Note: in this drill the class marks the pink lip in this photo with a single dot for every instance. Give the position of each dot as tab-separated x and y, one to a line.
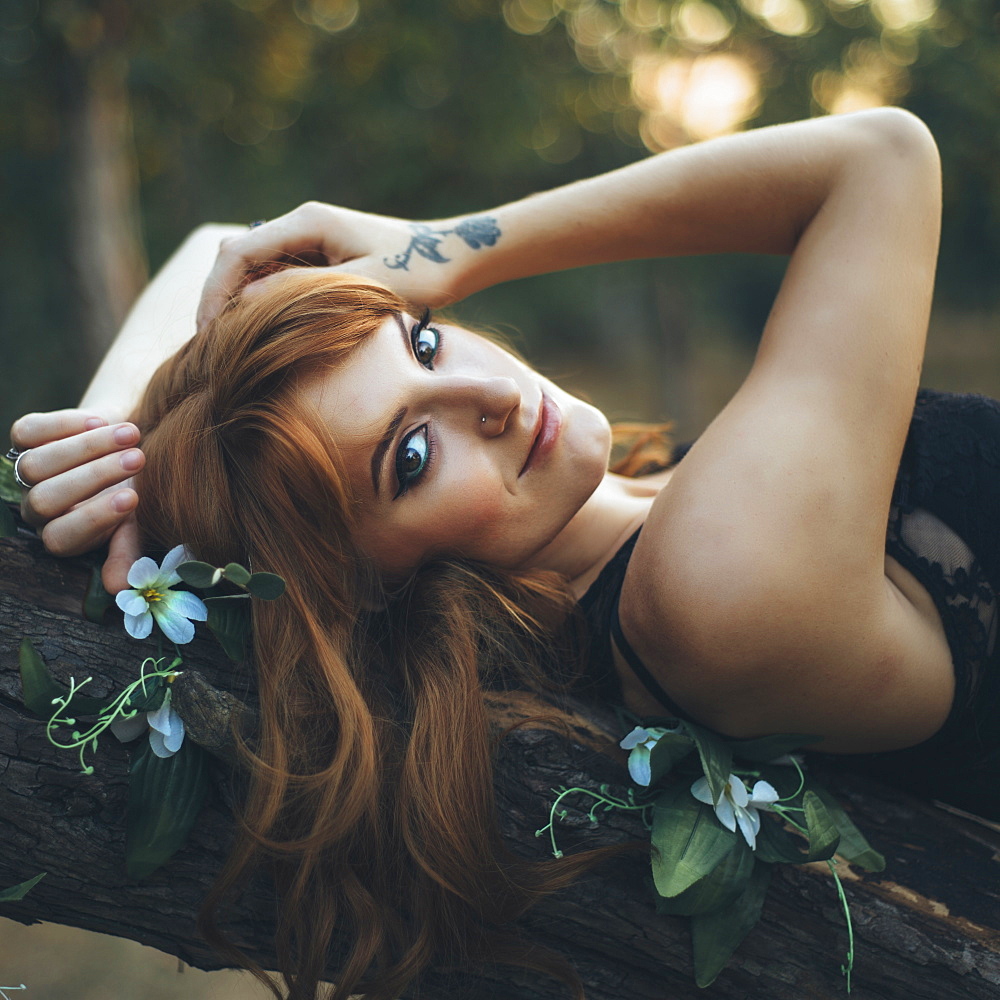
546	433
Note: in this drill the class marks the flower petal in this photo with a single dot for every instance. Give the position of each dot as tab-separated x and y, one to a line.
738	791
161	720
131	602
173	559
749	823
634	738
142	573
173	740
139	626
727	815
702	792
128	729
638	765
157	745
763	795
175	627
182	603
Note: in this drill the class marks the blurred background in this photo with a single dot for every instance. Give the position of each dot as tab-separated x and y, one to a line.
125	125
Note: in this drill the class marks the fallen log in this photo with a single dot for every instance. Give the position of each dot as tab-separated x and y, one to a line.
926	927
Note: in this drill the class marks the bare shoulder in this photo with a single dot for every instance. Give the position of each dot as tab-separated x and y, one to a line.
753	633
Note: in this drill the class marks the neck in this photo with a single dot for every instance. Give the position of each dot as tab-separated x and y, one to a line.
595	533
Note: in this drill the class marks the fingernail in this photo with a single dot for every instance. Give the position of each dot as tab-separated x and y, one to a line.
131	460
124	434
92	423
124	501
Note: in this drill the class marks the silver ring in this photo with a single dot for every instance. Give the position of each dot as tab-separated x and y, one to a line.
12	452
17	472
257	222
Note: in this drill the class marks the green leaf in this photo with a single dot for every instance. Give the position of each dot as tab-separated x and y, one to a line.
40	688
715	936
19	891
197	574
97	600
10	492
823	833
853	845
775	844
720	887
766	748
165	796
8	526
716	758
229	621
689	840
236	573
266	586
151	699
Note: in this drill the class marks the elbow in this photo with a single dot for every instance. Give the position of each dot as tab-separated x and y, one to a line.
900	138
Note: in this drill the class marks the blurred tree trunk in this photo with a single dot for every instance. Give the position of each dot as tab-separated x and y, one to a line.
104	246
929	927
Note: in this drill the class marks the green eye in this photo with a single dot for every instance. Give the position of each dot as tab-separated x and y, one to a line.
425	344
411	459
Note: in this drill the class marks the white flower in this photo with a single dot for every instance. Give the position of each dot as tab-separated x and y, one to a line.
166	728
738	806
153	598
641	741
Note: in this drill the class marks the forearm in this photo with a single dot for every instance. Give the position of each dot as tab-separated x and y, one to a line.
161	321
750	193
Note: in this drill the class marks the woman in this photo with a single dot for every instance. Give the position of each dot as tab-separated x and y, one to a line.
421	481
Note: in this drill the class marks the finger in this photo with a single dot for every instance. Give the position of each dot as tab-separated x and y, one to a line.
57	457
89	526
35	429
296	238
56	496
123	550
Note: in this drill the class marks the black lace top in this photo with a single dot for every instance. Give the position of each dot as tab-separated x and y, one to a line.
944	527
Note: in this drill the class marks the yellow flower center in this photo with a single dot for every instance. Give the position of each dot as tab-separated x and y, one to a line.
152	595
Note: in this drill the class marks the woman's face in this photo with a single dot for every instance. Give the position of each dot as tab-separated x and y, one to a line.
453	446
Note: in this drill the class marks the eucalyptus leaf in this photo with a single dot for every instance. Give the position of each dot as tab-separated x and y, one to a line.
266	586
767	748
8	526
165	796
853	845
197	574
229	621
19	891
96	600
716	758
823	833
689	840
715	936
775	844
10	492
720	887
236	573
40	688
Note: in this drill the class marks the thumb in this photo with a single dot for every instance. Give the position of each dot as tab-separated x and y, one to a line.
123	550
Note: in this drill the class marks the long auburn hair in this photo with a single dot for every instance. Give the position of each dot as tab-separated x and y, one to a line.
370	795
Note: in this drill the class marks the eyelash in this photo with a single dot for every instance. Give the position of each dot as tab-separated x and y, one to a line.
407	482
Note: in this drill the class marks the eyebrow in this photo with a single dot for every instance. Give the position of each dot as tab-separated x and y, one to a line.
378	456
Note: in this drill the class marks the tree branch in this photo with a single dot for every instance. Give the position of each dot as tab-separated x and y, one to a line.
928	927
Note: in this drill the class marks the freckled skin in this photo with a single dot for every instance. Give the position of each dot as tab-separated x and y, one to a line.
470	498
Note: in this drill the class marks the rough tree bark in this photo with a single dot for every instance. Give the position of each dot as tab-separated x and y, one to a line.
928	927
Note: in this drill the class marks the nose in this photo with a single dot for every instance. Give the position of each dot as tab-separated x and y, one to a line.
489	401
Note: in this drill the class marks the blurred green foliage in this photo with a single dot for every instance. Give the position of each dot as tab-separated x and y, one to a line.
243	108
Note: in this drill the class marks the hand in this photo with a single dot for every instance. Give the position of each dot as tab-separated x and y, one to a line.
81	493
415	260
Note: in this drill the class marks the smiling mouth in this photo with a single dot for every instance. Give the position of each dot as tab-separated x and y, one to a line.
546	432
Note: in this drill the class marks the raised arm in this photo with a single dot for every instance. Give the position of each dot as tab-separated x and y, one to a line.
754	192
81	460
